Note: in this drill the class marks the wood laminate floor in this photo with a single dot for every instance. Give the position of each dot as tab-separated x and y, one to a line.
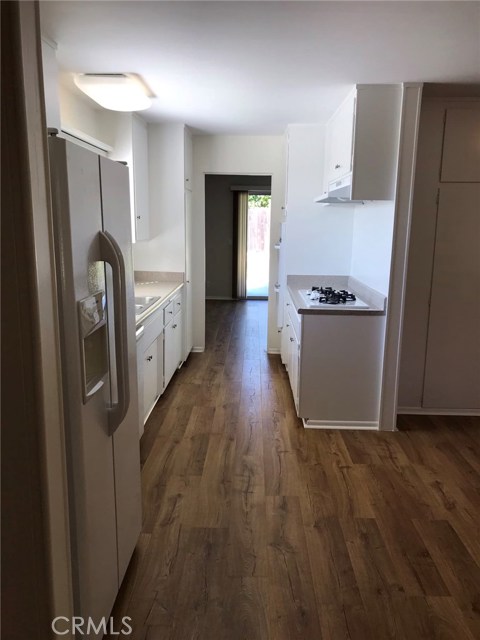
254	528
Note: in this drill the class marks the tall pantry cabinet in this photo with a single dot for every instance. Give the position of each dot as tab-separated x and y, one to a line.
170	191
128	135
440	360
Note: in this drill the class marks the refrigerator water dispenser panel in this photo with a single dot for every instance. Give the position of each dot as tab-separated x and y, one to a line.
94	343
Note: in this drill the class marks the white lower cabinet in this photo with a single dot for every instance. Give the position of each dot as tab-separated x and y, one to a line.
163	333
290	346
293	363
334	364
173	346
284	343
151	377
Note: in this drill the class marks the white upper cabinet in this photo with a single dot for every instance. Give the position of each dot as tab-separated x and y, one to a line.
188	160
339	140
362	142
128	135
140	178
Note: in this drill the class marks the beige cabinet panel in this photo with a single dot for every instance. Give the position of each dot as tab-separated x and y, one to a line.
461	146
452	372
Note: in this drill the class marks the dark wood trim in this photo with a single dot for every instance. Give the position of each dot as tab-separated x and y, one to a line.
26	605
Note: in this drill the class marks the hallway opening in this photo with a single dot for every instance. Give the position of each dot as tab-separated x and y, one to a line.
237	236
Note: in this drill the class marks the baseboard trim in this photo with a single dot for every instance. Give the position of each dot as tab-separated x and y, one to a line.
198	349
273	352
426	411
337	424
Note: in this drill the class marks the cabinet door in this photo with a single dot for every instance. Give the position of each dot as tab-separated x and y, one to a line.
188	160
178	338
340	140
284	345
293	364
452	368
285	338
140	178
187	296
140	368
150	378
169	352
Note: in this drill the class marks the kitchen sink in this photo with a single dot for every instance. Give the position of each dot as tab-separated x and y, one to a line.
142	303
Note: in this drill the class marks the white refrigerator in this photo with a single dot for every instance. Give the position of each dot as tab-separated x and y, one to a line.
94	267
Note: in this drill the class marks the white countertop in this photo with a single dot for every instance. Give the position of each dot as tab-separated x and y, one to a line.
164	290
375	300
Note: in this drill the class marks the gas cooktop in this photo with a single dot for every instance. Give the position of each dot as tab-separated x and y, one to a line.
324	297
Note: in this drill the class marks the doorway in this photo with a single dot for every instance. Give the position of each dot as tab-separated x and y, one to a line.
251	244
232	244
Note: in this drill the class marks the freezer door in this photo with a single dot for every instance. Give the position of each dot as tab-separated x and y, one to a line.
77	222
116	221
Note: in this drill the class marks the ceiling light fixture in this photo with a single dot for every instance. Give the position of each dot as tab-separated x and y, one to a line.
115	91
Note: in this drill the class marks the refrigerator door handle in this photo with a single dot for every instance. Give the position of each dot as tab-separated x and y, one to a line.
111	253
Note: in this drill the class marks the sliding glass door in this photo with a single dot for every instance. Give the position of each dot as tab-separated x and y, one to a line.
258	245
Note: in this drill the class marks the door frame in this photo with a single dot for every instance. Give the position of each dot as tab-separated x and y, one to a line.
37	444
410	120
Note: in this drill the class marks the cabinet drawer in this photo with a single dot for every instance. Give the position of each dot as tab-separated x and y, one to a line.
168	312
177	303
153	326
292	316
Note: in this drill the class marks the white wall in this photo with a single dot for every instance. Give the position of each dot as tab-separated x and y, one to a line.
77	113
372	244
166	159
318	237
256	155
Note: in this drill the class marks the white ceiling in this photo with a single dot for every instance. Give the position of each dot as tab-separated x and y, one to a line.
254	67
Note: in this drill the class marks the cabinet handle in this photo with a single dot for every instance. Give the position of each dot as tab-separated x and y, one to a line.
337	166
179	303
170	312
148	358
174	326
288	325
291	339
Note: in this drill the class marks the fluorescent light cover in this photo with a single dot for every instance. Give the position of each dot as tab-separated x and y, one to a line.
115	91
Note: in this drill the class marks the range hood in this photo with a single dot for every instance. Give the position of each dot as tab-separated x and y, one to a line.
339	192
